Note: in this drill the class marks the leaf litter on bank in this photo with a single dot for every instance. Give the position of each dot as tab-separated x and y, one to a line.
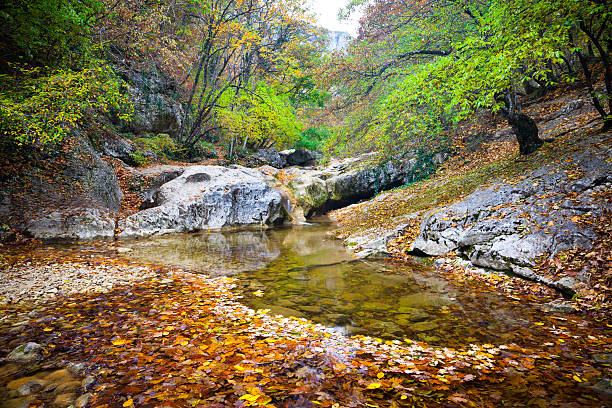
191	343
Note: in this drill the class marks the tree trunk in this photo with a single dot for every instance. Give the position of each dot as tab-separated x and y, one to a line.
526	132
524	128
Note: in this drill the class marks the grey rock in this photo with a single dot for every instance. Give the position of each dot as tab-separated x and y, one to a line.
77	224
83	189
508	227
88	382
559	306
566	284
82	401
26	353
604	388
31	387
345	182
269	157
96	178
298	157
207	197
119	148
76	368
156	110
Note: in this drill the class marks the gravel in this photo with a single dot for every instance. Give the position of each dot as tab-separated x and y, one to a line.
20	283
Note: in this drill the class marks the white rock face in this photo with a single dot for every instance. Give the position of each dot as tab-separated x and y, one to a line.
208	197
78	224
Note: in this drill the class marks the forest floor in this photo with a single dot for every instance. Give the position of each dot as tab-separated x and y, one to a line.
172	338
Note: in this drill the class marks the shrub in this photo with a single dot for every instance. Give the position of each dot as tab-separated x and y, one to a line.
39	105
313	139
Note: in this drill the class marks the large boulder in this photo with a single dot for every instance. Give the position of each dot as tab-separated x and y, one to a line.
208	197
66	194
119	148
298	157
268	157
345	182
76	224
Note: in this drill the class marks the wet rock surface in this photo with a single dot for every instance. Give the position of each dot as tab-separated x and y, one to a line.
52	387
207	197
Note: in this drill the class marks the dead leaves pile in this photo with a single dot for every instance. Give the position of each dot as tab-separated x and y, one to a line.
190	343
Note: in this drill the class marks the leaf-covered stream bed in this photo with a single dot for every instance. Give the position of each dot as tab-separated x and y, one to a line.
339	332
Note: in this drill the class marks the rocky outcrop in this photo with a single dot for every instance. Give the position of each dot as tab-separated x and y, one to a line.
507	227
68	194
76	224
156	107
208	197
268	157
119	148
345	182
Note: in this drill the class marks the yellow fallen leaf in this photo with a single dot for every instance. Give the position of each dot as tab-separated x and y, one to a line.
539	324
249	397
577	379
128	403
119	342
380	375
48	329
373	386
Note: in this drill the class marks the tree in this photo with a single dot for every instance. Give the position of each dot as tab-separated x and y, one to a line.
261	118
43	31
241	41
450	58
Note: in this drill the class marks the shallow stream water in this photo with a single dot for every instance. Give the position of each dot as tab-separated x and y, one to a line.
302	271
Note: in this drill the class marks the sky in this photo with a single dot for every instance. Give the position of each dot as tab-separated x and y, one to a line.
327	14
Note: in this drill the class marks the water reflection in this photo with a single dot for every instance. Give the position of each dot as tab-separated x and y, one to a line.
303	272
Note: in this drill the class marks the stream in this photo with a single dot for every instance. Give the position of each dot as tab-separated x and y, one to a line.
541	358
302	271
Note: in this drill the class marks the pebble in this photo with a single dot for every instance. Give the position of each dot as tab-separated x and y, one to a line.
26	282
82	401
88	382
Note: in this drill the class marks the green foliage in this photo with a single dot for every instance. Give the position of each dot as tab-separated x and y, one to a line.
42	30
261	117
423	68
39	105
161	145
313	139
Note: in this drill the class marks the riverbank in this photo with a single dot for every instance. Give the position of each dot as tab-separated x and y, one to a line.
186	340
